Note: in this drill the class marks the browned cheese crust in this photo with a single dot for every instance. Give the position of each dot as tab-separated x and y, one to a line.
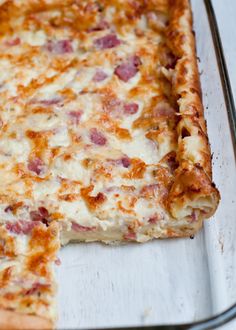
193	181
10	320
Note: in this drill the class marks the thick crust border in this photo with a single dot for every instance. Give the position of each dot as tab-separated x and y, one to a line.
10	320
193	188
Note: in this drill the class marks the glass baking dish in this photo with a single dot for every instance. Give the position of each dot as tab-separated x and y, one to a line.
165	283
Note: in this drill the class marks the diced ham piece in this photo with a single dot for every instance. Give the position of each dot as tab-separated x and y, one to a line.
97	137
171	161
102	25
36	165
194	216
128	69
164	109
36	287
21	226
49	102
131	108
13	42
114	106
59	47
170	60
106	42
41	215
43	211
155	218
58	261
8	209
130	236
14	228
99	76
76	227
125	162
75	116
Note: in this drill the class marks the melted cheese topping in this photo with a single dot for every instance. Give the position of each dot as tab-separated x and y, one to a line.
87	116
26	276
88	136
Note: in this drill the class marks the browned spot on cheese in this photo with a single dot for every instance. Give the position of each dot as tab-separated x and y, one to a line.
57	216
137	171
5	276
7	243
10	295
134	225
128	188
38	109
152	135
158	112
92	201
37	263
19	169
40	141
125	210
68	94
87	162
55	152
122	133
165	181
15	206
69	197
101	171
43	243
171	233
67	157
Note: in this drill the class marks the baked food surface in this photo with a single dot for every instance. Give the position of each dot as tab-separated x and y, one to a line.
102	133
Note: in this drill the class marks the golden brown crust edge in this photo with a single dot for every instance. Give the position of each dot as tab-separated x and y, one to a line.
193	187
10	320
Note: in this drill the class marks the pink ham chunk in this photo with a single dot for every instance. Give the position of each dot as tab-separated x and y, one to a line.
155	218
128	69
13	42
76	227
100	75
130	236
36	287
21	227
125	162
75	116
106	42
97	137
57	261
194	216
36	165
131	108
59	47
41	215
170	60
164	110
53	101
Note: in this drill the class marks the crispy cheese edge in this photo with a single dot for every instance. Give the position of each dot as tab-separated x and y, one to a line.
193	187
12	320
